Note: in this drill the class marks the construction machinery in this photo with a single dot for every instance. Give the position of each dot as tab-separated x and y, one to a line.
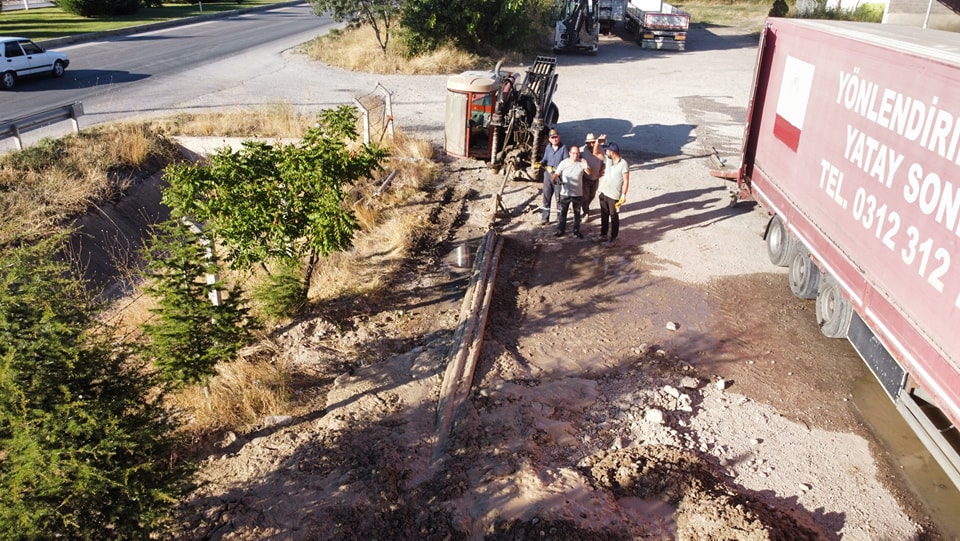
578	26
499	117
523	115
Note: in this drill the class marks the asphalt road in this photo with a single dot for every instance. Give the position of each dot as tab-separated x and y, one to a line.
120	76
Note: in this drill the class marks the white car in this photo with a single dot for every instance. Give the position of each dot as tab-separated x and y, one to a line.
20	57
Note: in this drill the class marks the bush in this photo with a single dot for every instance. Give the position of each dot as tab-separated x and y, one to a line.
281	293
99	8
817	9
872	13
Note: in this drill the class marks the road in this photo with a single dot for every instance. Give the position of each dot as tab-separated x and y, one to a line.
153	71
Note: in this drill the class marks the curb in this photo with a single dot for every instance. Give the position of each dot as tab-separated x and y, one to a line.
93	36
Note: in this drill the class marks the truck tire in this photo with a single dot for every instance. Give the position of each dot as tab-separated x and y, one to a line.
553	115
804	275
834	311
780	243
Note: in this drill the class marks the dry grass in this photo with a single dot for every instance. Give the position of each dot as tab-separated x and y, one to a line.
356	49
387	228
276	120
236	398
749	14
43	185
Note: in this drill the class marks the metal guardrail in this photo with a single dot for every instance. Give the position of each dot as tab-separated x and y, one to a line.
13	128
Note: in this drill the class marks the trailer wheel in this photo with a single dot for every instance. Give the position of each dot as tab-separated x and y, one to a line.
804	275
780	243
834	311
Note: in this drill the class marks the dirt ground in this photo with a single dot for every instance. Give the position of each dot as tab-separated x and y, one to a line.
589	417
668	388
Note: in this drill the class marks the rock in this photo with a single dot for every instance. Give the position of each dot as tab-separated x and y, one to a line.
277	420
688	382
721	384
672	325
228	439
653	416
804	487
672	391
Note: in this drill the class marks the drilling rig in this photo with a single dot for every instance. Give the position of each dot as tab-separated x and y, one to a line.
523	115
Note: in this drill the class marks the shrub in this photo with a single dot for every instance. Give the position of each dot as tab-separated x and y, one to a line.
99	8
281	293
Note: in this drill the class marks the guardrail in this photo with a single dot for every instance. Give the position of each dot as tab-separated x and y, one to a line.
13	128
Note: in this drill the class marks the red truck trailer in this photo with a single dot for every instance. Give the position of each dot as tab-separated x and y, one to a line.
852	144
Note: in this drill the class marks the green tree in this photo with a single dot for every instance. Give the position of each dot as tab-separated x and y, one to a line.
85	443
191	333
478	26
279	203
379	14
779	8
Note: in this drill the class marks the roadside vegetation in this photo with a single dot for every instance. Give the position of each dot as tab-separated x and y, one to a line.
186	391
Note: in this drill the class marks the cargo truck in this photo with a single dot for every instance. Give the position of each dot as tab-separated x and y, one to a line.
657	25
611	13
852	144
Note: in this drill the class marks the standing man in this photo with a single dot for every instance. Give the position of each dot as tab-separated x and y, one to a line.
569	176
555	153
613	188
591	179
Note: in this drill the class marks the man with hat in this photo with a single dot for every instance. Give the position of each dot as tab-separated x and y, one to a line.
555	153
591	180
614	184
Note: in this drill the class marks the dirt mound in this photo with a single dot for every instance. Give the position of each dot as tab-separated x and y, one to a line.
708	508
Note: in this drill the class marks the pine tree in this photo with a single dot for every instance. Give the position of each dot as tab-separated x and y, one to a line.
84	439
190	334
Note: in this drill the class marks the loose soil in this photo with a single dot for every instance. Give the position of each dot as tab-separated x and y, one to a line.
668	388
589	416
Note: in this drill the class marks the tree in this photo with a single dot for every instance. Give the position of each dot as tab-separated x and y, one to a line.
779	9
84	440
379	14
191	334
278	203
478	26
